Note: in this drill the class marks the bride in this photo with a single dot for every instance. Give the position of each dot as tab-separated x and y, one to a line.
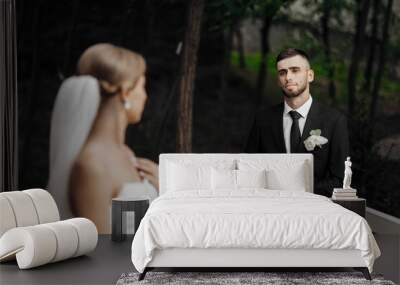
89	162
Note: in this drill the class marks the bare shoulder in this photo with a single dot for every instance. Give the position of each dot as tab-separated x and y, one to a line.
89	178
92	155
90	187
90	164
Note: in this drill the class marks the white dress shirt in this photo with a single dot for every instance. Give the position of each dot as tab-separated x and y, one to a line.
287	120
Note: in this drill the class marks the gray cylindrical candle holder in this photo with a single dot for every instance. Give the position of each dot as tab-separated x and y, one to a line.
122	210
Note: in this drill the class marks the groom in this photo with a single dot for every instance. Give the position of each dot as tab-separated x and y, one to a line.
285	127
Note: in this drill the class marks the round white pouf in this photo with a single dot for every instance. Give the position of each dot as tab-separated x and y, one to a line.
33	246
45	205
87	233
67	240
40	244
7	218
23	208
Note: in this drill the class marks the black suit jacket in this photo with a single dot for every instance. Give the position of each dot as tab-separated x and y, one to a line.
266	136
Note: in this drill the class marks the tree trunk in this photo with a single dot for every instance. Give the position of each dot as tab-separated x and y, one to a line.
362	15
262	72
382	60
166	109
369	70
327	48
240	46
189	64
227	63
226	66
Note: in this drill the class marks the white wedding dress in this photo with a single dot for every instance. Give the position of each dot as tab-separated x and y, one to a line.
138	190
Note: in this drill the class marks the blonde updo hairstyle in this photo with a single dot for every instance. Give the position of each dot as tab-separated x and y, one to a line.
117	69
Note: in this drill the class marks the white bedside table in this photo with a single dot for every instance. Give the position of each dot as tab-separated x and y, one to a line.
119	219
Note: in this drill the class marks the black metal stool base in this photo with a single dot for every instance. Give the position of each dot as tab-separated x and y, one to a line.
364	271
143	274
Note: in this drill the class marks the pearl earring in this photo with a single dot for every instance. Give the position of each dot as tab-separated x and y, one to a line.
127	105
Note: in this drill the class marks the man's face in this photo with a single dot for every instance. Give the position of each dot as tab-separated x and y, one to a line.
294	75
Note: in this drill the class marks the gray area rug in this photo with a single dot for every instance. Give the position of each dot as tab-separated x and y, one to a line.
228	278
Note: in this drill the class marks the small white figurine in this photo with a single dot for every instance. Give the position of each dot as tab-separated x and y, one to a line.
347	174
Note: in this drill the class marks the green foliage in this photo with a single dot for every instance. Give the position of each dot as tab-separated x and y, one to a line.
267	8
231	11
374	177
252	61
390	89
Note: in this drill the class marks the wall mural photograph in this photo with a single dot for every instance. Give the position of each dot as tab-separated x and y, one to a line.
99	98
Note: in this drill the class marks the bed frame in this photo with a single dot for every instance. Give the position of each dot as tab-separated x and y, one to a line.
246	258
242	259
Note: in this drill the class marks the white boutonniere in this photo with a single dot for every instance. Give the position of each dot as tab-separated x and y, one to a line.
315	139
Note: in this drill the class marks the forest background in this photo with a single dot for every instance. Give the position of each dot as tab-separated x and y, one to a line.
211	65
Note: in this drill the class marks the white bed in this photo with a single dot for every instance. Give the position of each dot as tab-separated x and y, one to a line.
215	211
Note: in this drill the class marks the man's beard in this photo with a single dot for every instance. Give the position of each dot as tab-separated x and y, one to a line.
296	93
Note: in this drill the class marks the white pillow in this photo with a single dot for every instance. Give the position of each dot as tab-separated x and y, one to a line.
226	179
282	174
188	177
293	179
223	179
193	174
251	178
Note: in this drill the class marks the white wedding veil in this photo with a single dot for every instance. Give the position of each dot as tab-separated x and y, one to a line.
74	111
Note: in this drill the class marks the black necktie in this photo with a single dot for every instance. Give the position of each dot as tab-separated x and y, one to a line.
295	135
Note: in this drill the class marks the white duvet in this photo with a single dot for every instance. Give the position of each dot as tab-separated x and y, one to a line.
250	218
